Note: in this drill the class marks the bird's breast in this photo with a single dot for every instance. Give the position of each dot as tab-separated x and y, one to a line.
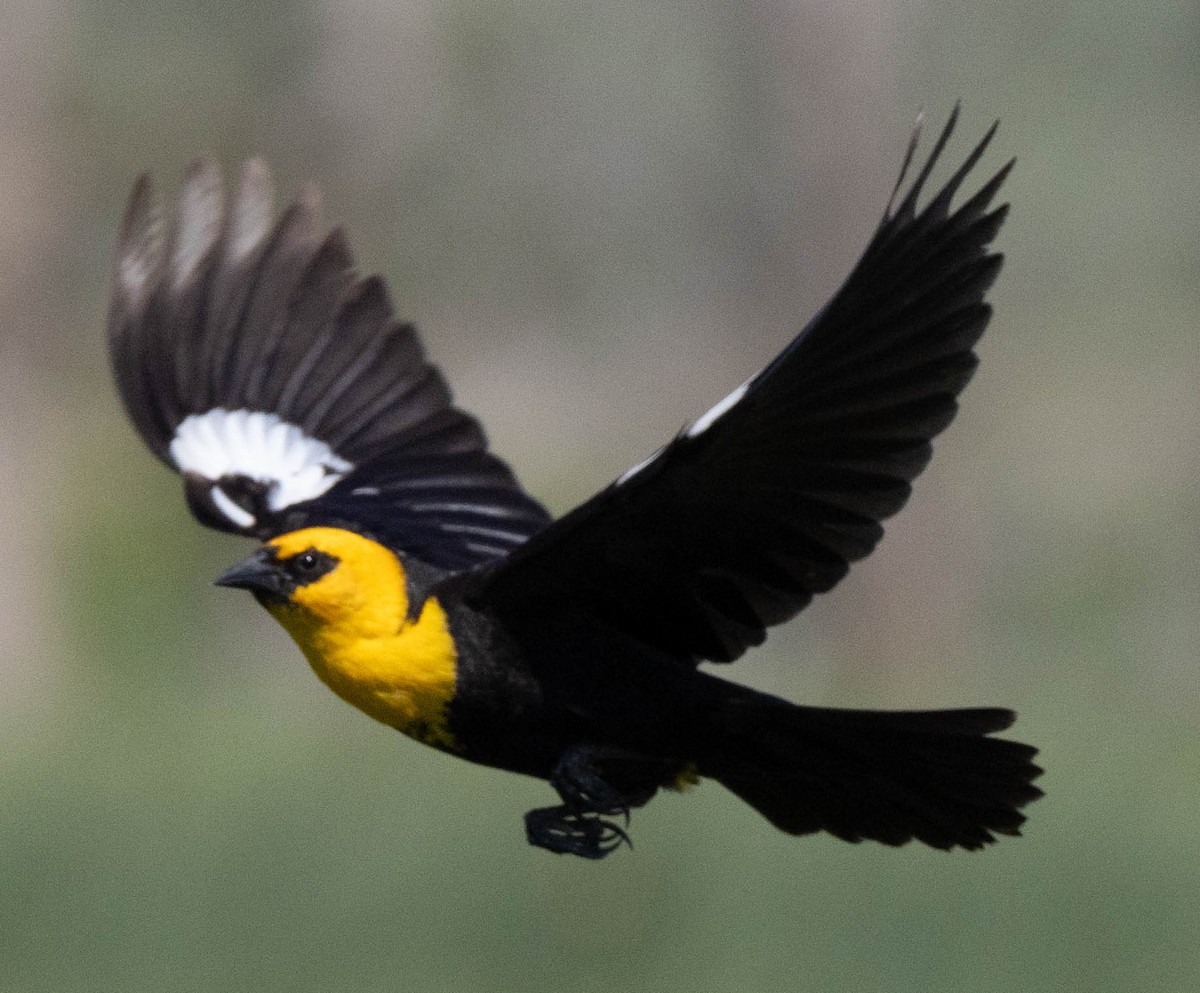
405	680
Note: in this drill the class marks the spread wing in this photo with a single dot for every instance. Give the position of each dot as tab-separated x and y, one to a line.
766	499
254	361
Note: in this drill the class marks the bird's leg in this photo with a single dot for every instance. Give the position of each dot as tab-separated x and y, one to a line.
583	787
579	826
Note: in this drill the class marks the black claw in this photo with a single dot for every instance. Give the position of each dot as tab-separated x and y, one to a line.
583	825
568	832
618	833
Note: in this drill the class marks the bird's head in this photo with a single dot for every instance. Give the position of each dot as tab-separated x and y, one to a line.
328	578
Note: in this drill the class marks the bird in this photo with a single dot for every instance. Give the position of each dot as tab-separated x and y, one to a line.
428	589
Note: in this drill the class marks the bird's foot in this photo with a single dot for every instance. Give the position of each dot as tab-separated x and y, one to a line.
582	787
584	778
573	832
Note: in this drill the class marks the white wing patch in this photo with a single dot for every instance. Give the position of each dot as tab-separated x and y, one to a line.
718	409
261	446
703	423
629	473
239	515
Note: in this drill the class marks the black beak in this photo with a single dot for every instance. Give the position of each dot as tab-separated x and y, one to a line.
261	574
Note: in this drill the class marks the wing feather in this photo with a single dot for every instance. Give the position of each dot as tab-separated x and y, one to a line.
766	500
252	358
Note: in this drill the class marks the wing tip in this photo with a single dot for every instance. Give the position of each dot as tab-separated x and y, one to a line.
140	245
906	209
199	218
252	209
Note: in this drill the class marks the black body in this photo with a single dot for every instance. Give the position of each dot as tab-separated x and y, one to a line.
587	707
578	641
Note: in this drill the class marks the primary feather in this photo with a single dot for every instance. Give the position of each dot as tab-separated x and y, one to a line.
766	500
253	360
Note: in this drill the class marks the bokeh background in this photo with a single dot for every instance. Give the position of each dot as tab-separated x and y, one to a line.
604	217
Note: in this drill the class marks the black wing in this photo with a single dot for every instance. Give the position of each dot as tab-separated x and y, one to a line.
766	499
253	360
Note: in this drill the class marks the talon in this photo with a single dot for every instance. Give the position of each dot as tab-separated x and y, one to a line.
568	832
618	834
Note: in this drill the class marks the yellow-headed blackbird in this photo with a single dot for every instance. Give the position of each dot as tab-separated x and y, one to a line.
426	588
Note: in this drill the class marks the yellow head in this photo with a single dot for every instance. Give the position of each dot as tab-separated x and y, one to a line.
329	577
344	599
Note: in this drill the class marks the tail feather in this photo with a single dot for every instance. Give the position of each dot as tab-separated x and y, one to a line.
888	776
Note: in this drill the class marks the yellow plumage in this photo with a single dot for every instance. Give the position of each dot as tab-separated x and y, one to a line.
352	625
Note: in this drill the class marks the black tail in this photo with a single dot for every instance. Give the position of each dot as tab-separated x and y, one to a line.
885	775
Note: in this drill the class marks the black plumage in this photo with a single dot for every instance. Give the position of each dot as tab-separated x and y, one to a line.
734	528
253	359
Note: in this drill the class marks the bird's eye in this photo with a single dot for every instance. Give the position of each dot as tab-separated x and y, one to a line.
309	566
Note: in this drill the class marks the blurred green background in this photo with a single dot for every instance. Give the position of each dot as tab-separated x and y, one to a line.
603	217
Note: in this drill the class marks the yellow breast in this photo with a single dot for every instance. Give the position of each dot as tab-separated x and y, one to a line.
353	627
